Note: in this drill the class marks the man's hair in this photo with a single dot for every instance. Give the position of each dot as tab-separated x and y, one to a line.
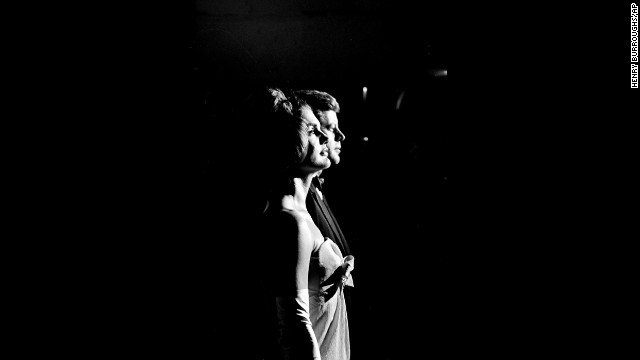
319	101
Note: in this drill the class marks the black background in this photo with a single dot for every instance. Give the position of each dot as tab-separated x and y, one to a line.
480	212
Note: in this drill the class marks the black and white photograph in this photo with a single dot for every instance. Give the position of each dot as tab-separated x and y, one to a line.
337	180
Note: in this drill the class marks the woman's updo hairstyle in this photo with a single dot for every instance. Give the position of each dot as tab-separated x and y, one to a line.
279	133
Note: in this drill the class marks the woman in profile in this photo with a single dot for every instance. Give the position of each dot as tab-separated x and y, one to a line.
305	272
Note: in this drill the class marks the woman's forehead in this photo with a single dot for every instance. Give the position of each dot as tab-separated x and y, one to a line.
308	117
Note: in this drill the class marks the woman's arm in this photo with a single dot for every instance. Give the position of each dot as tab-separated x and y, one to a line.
297	338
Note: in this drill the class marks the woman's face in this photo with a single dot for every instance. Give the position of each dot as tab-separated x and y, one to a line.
316	153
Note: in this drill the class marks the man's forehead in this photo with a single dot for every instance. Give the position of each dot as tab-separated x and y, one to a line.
329	118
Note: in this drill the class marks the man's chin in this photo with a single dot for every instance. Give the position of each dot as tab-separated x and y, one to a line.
335	160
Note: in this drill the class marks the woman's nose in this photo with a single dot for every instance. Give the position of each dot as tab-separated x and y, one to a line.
323	137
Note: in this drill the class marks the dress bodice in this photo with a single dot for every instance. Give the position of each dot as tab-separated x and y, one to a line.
327	308
325	260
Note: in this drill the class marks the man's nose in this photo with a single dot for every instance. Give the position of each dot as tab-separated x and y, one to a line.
339	135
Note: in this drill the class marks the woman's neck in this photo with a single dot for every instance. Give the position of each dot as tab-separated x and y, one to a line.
297	200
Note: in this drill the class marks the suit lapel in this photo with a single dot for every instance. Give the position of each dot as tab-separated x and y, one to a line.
325	211
331	221
343	242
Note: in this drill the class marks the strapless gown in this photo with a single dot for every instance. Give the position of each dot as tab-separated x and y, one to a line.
327	306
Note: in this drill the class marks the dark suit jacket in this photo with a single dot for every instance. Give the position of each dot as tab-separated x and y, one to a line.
325	221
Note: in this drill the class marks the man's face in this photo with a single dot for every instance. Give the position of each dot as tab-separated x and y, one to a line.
329	122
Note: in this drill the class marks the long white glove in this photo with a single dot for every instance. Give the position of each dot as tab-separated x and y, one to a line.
297	339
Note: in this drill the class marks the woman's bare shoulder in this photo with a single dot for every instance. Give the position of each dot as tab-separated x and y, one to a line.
290	222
